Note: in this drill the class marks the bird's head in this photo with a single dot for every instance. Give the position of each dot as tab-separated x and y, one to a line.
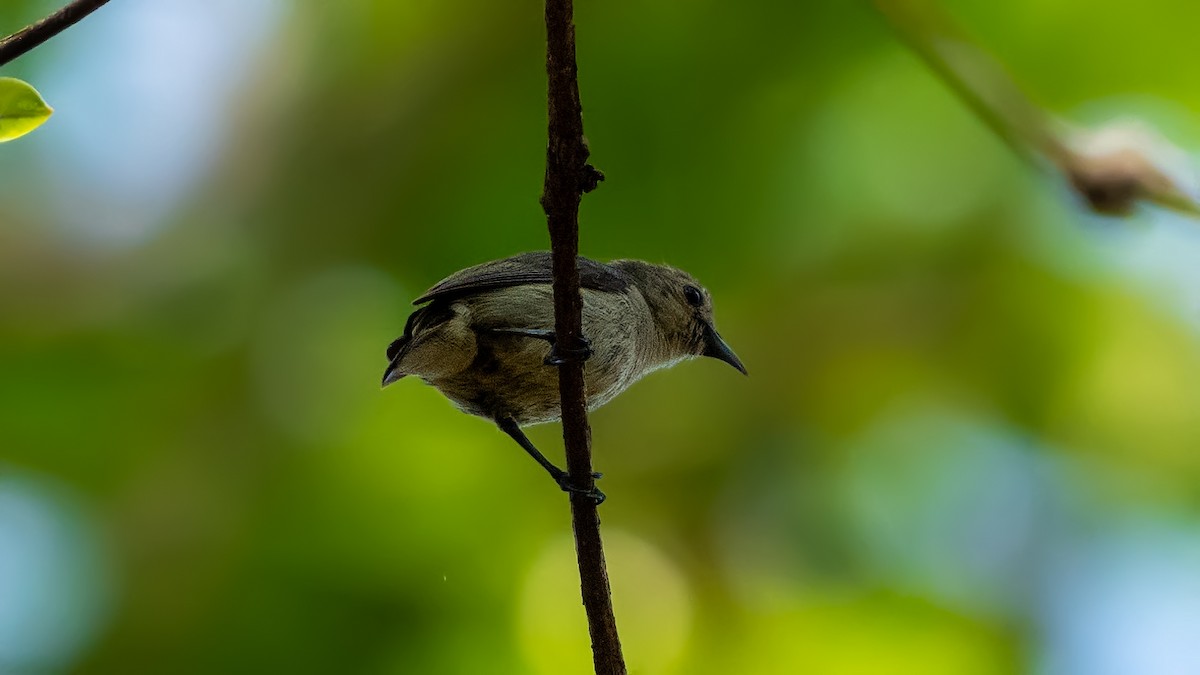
682	311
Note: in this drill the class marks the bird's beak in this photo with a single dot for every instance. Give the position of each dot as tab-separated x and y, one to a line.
391	375
715	347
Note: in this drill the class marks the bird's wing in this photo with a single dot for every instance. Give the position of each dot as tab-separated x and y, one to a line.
438	340
526	268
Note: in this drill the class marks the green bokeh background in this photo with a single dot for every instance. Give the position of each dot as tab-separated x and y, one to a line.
961	387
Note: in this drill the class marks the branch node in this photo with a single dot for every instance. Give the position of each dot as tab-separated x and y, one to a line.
591	178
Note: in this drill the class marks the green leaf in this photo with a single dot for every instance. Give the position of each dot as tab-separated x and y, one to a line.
22	109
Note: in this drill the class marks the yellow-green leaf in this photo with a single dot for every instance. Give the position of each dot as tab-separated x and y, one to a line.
22	109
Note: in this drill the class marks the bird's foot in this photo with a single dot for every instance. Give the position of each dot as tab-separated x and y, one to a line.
560	356
564	482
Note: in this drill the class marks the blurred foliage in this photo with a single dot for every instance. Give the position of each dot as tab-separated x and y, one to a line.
961	389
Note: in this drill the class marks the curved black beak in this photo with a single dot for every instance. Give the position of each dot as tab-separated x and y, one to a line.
391	374
715	347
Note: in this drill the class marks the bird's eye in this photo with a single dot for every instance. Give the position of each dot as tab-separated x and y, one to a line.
693	296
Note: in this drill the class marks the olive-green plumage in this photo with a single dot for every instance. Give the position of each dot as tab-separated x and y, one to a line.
485	334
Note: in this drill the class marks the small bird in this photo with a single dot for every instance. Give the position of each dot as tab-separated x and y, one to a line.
485	338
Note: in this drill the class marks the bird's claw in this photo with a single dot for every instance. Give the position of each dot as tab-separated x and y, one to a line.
593	494
564	482
560	357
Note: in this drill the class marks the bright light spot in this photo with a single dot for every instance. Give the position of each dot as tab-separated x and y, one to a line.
1125	604
1164	257
55	580
144	92
946	507
650	599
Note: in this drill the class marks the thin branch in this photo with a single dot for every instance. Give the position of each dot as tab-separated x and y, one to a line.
1111	178
568	176
979	81
20	43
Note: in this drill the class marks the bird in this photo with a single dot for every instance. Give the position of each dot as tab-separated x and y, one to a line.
484	337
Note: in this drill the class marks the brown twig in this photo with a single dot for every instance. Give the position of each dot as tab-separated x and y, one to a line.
23	41
568	176
1110	181
979	82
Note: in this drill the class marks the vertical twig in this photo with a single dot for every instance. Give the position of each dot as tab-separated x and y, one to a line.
21	42
568	176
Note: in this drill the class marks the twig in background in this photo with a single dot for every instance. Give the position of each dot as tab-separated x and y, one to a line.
1113	168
